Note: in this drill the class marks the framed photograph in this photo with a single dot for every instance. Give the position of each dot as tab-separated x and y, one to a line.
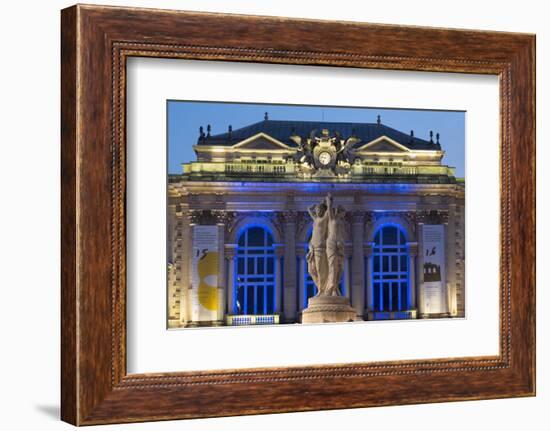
279	207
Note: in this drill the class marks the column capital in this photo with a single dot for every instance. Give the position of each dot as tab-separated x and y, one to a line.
432	216
367	248
287	216
211	217
357	217
348	249
279	250
182	215
224	218
230	250
412	248
300	252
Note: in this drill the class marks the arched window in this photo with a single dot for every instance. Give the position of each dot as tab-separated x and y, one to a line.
255	278
390	272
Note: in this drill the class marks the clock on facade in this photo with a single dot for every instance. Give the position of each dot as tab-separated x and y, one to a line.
325	158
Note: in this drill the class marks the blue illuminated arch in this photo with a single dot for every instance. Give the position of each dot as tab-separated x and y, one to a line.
248	221
255	271
390	219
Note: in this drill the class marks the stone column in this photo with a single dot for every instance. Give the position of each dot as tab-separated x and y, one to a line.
279	251
357	263
231	257
368	274
450	257
445	276
185	244
347	273
221	268
459	258
420	301
288	219
301	257
173	273
412	249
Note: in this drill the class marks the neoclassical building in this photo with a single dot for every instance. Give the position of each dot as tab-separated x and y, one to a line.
238	226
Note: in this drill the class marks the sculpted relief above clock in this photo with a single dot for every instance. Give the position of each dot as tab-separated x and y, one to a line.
321	154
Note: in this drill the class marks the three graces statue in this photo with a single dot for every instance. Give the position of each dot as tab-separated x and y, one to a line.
325	258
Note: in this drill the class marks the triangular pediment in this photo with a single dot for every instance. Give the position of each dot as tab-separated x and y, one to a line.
383	144
261	141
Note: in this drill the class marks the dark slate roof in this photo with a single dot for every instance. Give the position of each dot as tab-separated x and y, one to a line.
282	130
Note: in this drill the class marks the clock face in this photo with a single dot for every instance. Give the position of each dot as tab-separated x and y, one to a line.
325	158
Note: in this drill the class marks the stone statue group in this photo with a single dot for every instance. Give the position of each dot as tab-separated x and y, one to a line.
325	258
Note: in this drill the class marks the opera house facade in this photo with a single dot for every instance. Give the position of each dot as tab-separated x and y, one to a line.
238	226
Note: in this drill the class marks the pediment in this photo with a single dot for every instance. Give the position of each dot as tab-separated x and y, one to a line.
261	141
383	144
259	144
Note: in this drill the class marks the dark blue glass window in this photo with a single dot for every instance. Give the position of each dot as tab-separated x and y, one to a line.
390	272
255	278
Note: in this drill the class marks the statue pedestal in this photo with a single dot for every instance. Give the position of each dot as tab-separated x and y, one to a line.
326	309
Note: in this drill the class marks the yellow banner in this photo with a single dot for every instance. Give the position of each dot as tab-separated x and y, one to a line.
205	269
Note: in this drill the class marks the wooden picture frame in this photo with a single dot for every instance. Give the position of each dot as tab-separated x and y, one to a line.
95	42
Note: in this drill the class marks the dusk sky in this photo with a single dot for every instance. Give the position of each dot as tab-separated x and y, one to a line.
185	118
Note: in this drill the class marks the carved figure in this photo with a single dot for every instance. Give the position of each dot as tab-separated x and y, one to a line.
326	248
326	264
317	255
305	155
335	249
346	151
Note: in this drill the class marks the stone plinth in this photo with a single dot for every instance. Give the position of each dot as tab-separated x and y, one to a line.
326	309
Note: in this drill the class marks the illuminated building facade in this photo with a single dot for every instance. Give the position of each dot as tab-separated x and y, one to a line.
238	226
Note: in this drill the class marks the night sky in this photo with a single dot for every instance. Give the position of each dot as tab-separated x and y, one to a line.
185	118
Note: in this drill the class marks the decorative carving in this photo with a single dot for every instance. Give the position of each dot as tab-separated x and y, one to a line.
211	217
369	219
225	217
300	252
432	216
358	217
302	222
347	227
412	219
348	249
325	155
286	217
412	248
367	249
230	251
202	217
